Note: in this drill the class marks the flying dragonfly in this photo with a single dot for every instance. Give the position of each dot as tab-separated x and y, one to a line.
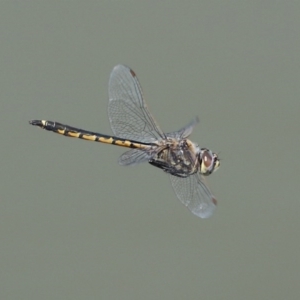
134	127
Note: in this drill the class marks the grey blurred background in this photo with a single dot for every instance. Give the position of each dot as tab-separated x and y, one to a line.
76	225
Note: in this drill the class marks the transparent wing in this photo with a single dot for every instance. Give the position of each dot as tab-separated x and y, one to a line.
134	157
194	194
185	131
128	113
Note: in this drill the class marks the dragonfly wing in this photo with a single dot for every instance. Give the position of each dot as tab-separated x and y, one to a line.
128	113
185	131
134	157
194	194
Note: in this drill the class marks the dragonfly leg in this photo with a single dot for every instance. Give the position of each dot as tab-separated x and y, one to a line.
167	168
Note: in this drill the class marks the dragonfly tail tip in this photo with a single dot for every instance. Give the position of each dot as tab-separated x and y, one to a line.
36	123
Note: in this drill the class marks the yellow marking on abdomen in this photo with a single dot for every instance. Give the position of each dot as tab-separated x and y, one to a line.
60	131
101	139
68	133
121	143
73	134
105	140
89	137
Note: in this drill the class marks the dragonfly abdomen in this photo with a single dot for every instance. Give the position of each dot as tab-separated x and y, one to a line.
74	132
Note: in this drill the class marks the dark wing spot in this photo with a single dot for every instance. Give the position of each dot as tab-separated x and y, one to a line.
132	73
214	201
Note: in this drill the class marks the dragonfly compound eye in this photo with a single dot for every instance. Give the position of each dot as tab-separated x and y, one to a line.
207	159
209	162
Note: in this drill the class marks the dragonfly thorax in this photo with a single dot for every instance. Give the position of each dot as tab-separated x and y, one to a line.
177	157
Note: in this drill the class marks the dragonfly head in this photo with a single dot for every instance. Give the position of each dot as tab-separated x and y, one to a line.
209	161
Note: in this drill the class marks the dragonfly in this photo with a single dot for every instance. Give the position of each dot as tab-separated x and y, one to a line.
134	127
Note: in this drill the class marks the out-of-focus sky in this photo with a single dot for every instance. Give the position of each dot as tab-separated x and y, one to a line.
76	225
